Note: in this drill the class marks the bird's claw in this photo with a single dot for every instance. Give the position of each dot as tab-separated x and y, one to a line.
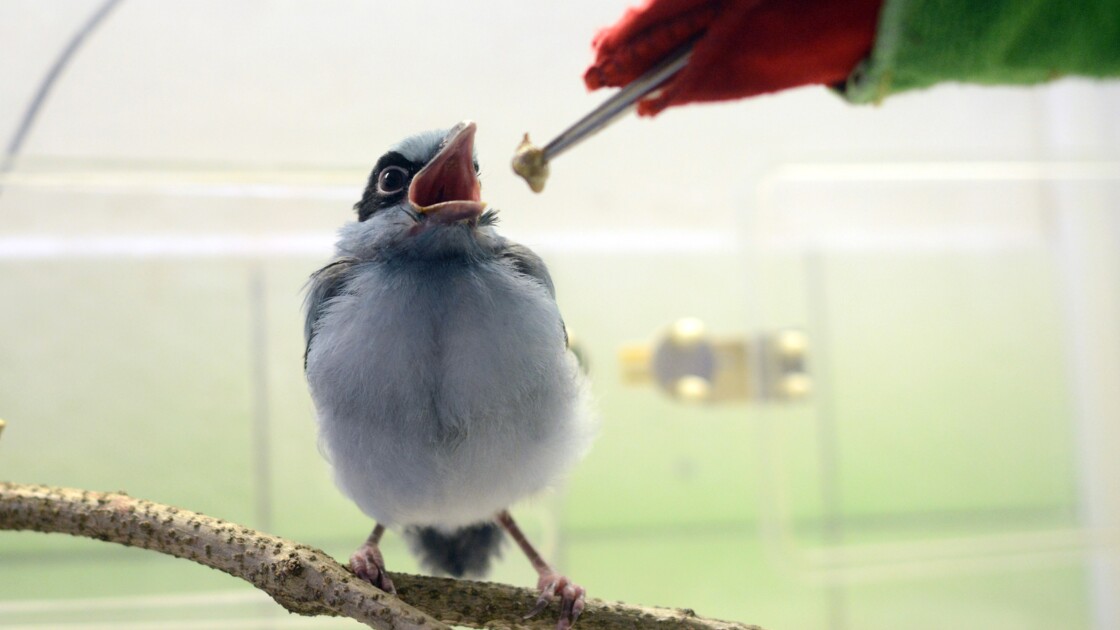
541	604
367	564
571	599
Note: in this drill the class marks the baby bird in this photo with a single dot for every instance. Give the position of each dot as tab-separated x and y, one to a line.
438	363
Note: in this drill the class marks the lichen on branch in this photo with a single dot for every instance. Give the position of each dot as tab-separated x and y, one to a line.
303	579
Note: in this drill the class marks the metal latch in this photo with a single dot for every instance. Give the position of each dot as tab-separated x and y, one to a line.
687	363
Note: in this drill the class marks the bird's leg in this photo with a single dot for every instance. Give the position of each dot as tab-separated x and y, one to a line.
367	563
550	583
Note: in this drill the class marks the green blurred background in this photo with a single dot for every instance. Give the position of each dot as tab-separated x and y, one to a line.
950	255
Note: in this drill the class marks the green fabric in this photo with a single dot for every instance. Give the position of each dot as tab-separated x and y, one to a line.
923	42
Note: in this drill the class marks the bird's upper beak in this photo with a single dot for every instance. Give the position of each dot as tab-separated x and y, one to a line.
447	188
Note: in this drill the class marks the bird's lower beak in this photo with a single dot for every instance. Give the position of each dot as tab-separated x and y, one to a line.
447	189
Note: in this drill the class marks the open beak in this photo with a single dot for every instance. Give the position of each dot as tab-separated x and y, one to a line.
447	189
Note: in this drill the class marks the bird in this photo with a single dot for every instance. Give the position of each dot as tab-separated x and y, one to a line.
439	368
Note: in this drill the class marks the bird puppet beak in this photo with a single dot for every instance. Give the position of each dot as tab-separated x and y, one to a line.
447	188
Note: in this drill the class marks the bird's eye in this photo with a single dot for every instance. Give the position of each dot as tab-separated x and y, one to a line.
391	180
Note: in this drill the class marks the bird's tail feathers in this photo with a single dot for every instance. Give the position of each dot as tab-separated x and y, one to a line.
463	552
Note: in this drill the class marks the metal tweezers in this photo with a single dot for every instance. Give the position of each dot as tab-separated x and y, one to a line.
623	101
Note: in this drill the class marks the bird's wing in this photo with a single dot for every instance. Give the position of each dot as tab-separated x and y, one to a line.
323	285
528	263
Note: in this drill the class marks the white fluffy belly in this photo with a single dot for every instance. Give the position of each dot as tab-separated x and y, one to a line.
447	405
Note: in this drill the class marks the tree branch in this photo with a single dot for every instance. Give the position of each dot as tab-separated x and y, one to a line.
303	579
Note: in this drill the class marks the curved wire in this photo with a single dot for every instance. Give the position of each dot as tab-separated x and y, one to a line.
48	82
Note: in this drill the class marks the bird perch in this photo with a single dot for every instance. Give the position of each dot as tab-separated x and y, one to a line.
303	579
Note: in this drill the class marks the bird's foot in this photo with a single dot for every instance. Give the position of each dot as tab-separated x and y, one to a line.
571	595
367	564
